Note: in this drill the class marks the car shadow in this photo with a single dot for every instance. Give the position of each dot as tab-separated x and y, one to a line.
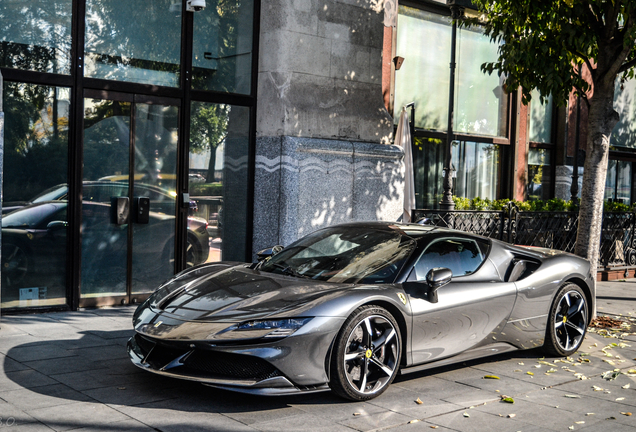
96	368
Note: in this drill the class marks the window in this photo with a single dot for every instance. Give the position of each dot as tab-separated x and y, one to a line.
480	123
541	148
477	169
461	256
36	35
618	183
222	47
129	41
624	133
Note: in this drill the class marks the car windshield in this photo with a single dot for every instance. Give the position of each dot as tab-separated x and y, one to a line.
51	194
344	254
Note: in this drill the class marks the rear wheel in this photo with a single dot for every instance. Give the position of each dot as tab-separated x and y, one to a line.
366	354
567	323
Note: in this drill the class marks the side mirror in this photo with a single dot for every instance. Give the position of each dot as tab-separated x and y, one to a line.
437	278
56	226
268	253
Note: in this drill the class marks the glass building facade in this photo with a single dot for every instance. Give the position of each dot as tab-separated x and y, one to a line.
128	145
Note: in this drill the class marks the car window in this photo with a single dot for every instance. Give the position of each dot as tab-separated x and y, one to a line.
461	256
34	216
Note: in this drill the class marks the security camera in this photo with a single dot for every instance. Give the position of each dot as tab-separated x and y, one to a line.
195	5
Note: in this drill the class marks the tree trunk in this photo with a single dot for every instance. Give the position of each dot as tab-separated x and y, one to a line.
211	165
602	119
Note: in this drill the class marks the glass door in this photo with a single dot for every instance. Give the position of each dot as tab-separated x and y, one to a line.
129	197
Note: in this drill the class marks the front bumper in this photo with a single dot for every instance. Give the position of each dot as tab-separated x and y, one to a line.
294	364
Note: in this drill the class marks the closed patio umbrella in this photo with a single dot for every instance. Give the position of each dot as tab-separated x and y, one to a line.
403	139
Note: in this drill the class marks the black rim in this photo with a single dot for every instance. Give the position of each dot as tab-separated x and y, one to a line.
570	320
371	354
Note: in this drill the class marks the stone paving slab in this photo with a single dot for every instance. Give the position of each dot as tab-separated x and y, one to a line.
70	371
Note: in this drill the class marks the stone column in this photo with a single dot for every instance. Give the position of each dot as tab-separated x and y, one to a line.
323	153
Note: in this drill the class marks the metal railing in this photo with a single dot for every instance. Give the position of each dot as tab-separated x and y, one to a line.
554	230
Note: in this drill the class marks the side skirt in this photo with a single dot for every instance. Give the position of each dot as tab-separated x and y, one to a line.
485	351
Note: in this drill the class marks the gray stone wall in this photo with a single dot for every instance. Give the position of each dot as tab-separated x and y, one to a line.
563	181
323	153
303	184
320	70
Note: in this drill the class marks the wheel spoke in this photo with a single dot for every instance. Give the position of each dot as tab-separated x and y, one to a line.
368	336
387	370
558	324
364	370
575	327
566	297
382	340
354	355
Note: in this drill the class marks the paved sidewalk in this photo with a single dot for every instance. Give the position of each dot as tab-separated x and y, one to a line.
70	371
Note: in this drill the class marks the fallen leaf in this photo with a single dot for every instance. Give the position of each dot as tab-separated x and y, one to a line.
611	418
573	396
433	427
413	421
497	391
597	388
356	414
579	422
626	413
571	427
512	415
529	373
620	399
491	377
418	401
507	399
466	414
610	375
589	414
537	366
552	370
520	363
121	388
626	386
517	370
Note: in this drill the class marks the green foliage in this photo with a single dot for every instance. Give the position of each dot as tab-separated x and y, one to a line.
461	203
206	189
613	206
543	43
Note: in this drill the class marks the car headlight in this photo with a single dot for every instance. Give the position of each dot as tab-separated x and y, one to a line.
268	328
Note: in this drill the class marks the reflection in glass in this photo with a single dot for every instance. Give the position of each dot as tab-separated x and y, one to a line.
222	46
424	40
106	168
624	133
539	178
477	166
132	41
36	35
540	130
35	160
618	185
156	135
481	104
428	162
219	142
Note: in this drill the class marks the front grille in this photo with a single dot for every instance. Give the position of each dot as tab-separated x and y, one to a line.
213	364
228	365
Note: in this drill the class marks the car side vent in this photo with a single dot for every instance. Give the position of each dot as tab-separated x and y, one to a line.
521	268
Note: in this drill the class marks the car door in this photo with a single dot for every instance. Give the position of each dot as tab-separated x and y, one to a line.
471	310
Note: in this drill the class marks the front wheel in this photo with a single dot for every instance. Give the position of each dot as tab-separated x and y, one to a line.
366	354
567	323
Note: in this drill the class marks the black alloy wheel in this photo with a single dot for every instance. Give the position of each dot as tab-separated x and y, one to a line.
367	354
567	324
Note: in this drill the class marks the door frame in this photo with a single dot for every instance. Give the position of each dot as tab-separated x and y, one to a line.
133	99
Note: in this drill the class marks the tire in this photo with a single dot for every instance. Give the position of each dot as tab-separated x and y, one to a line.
567	323
366	355
15	264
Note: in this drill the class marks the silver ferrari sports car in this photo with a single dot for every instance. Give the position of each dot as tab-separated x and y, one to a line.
349	307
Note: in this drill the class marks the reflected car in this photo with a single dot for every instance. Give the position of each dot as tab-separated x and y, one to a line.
34	241
349	307
163	201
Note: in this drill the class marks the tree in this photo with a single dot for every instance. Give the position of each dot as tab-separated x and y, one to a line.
208	129
545	45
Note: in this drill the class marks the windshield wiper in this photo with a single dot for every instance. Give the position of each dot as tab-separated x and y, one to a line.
288	270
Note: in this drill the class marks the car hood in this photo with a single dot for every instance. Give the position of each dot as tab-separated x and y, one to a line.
235	293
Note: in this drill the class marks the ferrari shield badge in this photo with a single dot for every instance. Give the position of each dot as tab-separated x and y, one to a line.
402	297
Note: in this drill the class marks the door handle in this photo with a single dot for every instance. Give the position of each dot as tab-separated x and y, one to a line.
142	210
119	210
